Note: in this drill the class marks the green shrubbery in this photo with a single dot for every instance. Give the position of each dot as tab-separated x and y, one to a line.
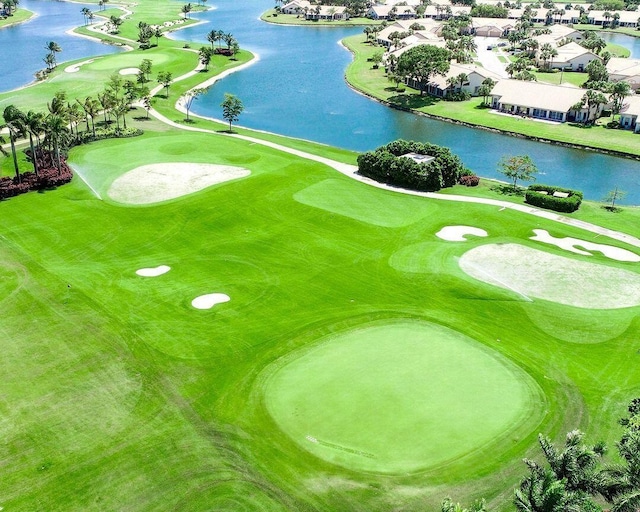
387	165
542	196
108	133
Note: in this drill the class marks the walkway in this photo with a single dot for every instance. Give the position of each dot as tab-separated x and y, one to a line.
488	58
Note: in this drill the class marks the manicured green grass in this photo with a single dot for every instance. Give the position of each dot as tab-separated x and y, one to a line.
271	16
400	397
18	16
617	50
118	394
574	78
373	82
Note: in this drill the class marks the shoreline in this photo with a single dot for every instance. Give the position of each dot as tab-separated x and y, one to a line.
584	147
32	15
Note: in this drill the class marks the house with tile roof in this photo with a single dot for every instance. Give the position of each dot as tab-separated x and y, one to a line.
627	70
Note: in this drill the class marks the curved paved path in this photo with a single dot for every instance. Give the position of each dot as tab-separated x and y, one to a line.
351	171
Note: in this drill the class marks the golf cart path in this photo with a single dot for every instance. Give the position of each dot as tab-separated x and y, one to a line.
351	171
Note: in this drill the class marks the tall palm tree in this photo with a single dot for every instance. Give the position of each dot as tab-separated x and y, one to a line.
57	133
52	47
33	122
14	121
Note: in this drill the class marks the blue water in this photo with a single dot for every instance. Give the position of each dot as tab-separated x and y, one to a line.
630	43
297	88
23	45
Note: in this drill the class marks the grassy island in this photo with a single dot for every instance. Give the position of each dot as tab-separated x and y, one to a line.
205	320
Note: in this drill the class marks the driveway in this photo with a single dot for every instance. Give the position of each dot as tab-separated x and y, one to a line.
488	58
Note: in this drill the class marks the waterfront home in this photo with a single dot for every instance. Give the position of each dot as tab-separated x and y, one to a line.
441	85
541	101
571	57
630	113
441	11
327	13
625	18
391	12
296	7
430	27
627	70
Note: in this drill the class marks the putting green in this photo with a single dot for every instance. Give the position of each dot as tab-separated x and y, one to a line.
375	207
400	397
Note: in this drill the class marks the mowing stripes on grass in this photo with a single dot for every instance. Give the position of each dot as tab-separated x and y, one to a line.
400	397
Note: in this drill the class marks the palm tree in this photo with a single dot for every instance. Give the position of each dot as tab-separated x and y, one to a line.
186	9
91	108
34	122
52	47
619	91
14	121
57	133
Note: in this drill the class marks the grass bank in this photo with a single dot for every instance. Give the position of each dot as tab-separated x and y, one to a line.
373	82
18	16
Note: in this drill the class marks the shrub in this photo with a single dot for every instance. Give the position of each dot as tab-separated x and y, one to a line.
387	165
48	177
542	196
469	180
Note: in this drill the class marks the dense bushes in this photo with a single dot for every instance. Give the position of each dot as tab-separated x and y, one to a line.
107	133
469	180
48	177
542	196
387	165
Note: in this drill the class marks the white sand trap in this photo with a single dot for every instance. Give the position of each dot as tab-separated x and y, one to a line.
459	233
160	182
538	274
210	300
74	68
153	272
129	71
571	244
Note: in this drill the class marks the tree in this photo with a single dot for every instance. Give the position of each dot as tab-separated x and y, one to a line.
449	506
52	47
205	55
190	96
611	198
165	78
619	91
115	22
422	62
518	168
186	9
34	124
597	71
232	107
14	121
145	68
376	59
57	133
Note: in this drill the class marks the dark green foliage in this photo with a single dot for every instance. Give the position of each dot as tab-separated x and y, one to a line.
489	11
386	165
533	196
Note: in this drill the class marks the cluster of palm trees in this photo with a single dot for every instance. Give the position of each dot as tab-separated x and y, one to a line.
218	36
574	478
47	133
50	59
8	7
88	15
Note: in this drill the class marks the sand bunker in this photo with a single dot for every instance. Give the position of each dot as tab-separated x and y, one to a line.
571	244
459	233
153	272
74	68
129	71
210	300
536	274
160	182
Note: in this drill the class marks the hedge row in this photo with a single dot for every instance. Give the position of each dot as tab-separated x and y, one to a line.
108	133
535	196
386	165
48	177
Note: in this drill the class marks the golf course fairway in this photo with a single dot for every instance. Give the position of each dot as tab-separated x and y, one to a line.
399	397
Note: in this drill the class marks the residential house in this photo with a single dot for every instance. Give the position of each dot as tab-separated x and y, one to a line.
492	27
540	101
627	70
625	18
296	7
327	13
630	113
571	57
430	27
391	12
440	85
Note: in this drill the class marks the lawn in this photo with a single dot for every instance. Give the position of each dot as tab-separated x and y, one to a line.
18	16
344	307
272	16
